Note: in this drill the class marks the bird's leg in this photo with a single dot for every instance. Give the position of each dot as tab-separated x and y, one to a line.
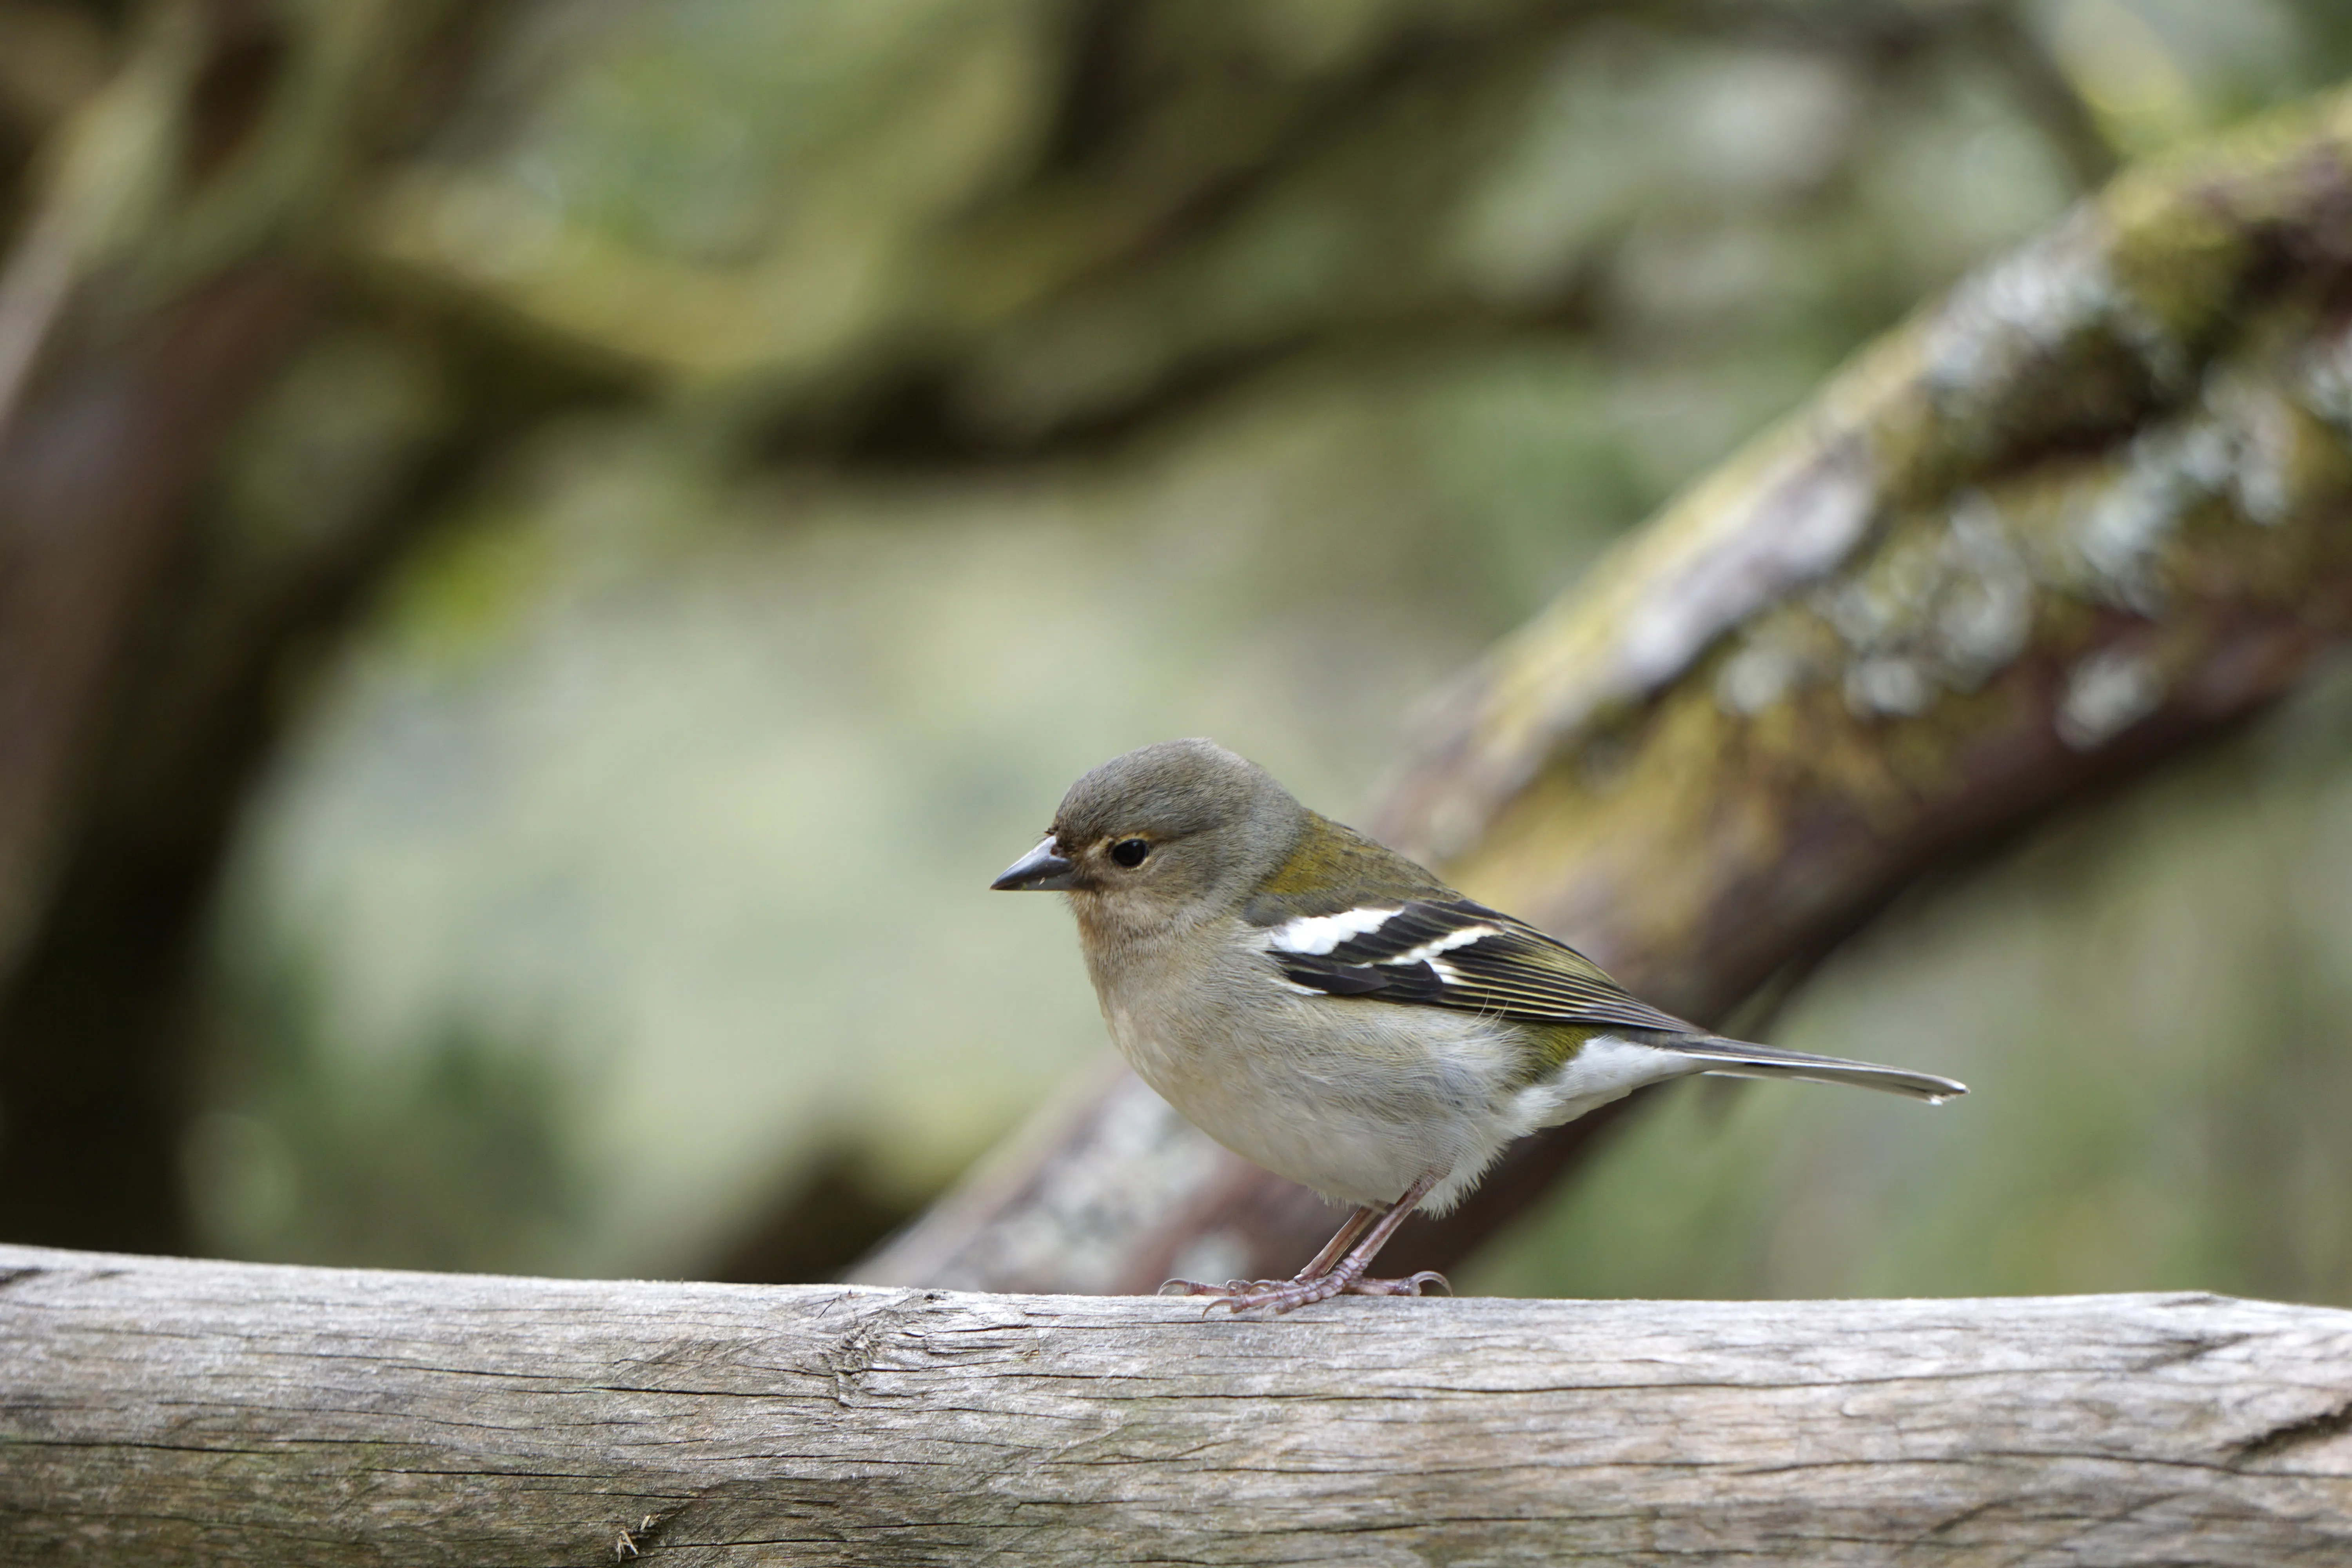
1337	1248
1345	1277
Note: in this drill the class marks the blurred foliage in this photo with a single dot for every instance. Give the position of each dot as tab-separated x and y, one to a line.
1009	384
450	1155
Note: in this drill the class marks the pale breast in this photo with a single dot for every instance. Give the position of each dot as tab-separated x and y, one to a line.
1356	1100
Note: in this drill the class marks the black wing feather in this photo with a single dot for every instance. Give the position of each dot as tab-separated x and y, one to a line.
1509	970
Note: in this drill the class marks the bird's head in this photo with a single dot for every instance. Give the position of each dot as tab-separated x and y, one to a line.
1165	835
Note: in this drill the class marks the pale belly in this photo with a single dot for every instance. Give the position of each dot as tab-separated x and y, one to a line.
1358	1101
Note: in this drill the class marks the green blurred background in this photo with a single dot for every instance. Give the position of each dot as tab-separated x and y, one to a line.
990	387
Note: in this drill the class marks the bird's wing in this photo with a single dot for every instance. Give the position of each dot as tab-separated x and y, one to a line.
1452	953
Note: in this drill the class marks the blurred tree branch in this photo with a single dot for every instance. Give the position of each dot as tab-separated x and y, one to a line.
169	294
1082	291
2094	508
2041	85
1195	146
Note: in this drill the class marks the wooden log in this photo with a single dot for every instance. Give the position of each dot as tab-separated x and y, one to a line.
157	1411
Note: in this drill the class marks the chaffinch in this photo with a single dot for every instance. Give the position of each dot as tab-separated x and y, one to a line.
1326	1008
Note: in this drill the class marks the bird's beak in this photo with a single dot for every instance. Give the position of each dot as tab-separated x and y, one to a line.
1042	870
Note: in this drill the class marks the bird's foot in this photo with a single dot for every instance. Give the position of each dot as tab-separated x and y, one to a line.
1286	1295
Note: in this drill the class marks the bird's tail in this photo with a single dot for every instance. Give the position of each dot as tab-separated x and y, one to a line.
1745	1058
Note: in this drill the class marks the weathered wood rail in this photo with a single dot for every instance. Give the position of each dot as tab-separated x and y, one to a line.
156	1411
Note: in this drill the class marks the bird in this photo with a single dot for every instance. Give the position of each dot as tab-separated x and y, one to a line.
1331	1011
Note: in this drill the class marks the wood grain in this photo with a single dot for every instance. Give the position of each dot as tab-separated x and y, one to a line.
160	1411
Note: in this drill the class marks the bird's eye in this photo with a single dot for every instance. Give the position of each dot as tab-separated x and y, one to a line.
1130	852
